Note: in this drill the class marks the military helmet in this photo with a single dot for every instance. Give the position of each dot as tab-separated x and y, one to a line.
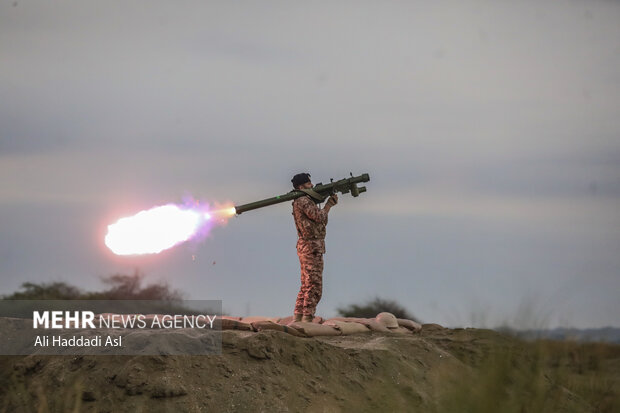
387	319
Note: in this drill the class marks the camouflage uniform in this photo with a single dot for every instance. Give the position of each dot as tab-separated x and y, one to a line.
310	222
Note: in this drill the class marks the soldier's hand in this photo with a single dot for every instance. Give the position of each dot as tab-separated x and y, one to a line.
333	200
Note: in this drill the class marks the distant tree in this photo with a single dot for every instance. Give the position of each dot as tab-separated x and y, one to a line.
374	307
121	287
129	287
51	291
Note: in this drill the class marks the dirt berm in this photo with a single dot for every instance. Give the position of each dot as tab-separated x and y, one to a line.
434	370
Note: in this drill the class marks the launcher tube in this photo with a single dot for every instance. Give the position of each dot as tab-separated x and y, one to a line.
343	186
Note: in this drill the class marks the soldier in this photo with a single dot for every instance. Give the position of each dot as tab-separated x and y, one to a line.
310	221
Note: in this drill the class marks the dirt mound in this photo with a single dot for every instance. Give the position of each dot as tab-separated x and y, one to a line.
435	369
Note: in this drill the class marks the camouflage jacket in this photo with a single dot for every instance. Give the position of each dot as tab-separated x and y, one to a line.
310	220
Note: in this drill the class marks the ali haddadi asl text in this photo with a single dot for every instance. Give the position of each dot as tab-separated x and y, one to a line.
78	341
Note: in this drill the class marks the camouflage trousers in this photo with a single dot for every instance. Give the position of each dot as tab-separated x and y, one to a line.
311	262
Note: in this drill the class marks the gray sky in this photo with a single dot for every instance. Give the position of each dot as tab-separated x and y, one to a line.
490	131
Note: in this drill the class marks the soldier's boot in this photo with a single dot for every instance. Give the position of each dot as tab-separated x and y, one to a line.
307	318
297	317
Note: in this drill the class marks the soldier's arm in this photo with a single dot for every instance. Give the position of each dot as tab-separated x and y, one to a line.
312	211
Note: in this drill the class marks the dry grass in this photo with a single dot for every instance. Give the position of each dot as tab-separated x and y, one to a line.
541	376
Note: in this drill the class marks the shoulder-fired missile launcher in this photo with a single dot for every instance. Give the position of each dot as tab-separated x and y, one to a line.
319	192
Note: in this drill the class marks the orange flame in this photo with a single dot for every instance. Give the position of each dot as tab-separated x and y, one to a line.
157	229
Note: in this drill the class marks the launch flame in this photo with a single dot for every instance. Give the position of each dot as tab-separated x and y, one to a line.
159	228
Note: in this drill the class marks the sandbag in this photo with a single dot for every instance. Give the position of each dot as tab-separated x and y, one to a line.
269	325
387	319
314	329
371	323
228	324
293	331
347	328
347	319
288	320
374	325
401	330
409	324
251	320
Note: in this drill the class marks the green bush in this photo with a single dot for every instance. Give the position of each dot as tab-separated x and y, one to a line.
374	307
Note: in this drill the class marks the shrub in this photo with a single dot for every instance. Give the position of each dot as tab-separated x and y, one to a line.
374	307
